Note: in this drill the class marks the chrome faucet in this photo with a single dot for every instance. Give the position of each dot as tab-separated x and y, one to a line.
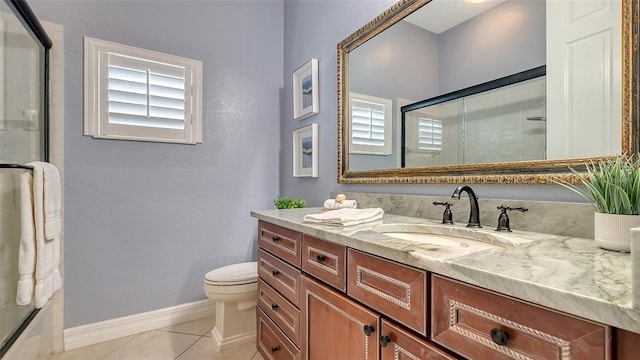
474	215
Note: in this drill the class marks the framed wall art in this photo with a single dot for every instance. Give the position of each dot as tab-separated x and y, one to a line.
305	90
305	151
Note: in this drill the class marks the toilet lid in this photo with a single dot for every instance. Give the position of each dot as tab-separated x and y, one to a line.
234	274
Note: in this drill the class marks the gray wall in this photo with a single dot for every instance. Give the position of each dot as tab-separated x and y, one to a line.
145	221
316	36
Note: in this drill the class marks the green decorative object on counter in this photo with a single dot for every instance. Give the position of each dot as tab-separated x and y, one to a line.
285	203
613	188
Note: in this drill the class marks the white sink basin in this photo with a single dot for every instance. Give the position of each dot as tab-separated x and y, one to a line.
448	235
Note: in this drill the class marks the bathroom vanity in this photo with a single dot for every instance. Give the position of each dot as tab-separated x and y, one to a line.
361	292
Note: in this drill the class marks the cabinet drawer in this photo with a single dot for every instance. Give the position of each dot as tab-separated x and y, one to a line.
280	275
272	343
280	241
398	343
281	311
464	318
395	290
325	261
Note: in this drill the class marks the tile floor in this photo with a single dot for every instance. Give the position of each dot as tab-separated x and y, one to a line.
186	341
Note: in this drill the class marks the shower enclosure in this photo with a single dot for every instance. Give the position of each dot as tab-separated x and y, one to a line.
24	51
500	121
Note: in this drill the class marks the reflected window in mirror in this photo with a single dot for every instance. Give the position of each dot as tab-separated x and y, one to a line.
429	134
371	132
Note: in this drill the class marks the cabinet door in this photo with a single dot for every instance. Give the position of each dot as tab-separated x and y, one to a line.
480	324
336	328
399	344
627	345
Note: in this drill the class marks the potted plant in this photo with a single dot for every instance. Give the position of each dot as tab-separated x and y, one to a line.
613	188
285	203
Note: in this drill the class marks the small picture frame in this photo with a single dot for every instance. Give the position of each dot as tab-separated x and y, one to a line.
305	90
305	151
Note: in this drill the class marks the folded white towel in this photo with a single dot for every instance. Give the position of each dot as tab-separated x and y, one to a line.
52	203
39	254
346	217
27	251
332	204
9	238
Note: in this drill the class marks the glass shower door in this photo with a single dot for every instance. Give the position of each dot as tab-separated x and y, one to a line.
23	134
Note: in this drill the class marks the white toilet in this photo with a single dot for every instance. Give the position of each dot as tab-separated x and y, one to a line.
235	290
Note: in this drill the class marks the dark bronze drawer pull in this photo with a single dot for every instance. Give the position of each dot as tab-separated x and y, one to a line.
499	336
275	349
275	238
275	273
369	329
385	340
274	307
320	258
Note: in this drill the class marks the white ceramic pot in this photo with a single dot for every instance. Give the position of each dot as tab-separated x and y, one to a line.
611	231
635	267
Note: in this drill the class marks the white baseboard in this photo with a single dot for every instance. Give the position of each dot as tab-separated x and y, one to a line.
94	333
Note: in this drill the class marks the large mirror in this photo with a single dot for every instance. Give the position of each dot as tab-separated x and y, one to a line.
586	104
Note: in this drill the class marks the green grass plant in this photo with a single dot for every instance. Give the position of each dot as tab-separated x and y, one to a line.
285	203
612	186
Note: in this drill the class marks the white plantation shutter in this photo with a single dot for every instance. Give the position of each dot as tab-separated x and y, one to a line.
143	95
146	94
429	134
370	125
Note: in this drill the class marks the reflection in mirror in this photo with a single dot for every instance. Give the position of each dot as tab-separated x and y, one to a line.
500	121
443	47
396	60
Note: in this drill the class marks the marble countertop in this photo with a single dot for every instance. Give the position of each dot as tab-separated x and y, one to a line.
567	274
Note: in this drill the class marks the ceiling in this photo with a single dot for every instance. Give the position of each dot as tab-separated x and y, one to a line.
440	15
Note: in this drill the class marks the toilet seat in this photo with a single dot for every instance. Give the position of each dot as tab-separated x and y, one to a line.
232	275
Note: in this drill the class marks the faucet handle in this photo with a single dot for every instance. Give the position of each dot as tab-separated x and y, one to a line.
447	215
503	218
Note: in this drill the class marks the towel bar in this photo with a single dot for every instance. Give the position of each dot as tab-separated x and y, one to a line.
16	166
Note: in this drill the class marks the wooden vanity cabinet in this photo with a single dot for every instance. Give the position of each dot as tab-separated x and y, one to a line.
394	311
480	324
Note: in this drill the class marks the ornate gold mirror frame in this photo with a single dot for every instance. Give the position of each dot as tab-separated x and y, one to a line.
522	172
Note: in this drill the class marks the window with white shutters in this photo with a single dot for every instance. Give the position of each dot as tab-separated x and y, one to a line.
137	94
429	134
370	125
